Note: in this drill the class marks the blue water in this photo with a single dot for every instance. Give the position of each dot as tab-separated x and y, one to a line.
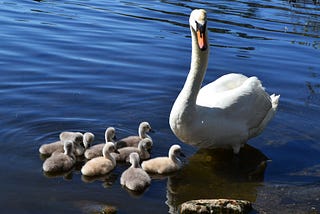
85	65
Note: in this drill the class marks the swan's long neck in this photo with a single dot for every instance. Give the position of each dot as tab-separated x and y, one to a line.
107	155
186	101
198	67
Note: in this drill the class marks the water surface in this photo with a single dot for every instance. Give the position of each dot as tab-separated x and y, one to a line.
85	65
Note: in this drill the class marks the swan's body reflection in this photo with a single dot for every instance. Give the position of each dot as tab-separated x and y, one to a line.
217	173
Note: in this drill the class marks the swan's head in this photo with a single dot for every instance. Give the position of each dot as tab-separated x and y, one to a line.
198	24
110	134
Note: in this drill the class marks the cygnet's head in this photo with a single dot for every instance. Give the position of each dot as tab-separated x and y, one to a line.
134	159
198	24
145	127
110	134
76	137
108	148
175	151
68	147
88	138
146	143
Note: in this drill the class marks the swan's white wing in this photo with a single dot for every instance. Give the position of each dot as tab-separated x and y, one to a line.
209	94
243	101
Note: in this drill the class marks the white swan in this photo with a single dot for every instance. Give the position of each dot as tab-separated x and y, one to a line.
101	165
135	178
134	140
164	165
224	113
60	162
96	150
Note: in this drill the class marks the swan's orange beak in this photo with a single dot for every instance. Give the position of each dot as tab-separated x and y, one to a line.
202	42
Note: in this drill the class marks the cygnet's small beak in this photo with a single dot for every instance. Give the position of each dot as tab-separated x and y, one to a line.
151	130
182	154
116	151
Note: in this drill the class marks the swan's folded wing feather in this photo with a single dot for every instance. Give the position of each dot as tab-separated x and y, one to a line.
248	102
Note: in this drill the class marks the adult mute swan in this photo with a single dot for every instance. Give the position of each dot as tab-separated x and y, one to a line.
224	113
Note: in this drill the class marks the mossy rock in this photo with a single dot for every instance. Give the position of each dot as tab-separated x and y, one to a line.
209	206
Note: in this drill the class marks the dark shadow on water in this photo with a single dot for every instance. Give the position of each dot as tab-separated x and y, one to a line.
66	175
107	179
217	173
136	194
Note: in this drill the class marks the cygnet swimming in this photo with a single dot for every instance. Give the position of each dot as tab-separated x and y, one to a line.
101	165
143	147
80	147
60	162
163	165
49	148
135	178
96	150
134	140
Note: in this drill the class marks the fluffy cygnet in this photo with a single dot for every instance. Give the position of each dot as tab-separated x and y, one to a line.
134	140
142	150
96	150
135	178
80	147
49	148
60	162
162	165
101	165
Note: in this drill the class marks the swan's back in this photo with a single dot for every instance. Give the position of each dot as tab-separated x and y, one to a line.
242	102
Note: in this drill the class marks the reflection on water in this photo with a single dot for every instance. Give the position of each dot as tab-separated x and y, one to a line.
218	173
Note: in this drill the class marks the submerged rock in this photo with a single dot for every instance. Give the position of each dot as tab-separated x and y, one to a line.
204	206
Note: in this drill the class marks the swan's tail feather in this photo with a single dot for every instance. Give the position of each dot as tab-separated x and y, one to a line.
275	101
